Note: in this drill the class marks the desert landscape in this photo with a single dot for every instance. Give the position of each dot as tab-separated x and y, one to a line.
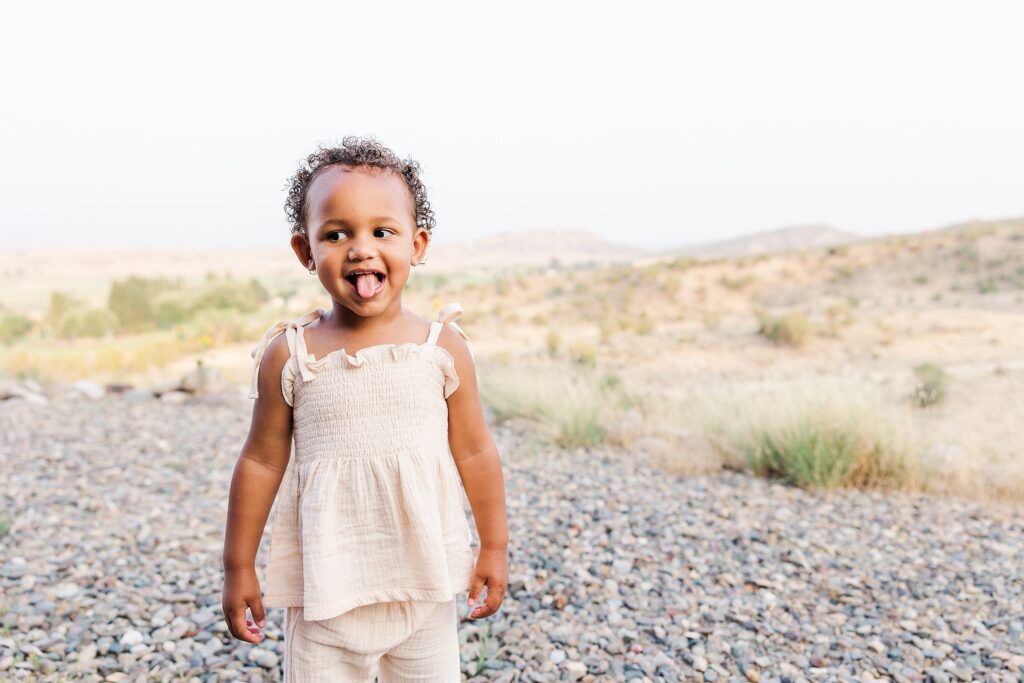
793	456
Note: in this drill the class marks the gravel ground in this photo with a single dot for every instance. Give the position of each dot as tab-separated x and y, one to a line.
110	569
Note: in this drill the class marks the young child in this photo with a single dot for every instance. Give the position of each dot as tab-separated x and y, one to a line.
370	543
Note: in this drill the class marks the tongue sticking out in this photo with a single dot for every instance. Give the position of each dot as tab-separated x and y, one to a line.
366	285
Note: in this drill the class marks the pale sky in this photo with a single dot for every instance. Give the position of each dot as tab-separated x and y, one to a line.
650	123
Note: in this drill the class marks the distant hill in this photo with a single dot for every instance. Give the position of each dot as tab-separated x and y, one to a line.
771	241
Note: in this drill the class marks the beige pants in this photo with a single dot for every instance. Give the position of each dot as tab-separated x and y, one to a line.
397	641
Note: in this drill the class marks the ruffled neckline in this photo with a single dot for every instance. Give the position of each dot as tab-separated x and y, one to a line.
394	351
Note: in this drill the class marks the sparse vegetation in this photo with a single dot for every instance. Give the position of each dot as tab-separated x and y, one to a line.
865	297
839	315
791	328
553	341
932	385
13	326
711	319
607	328
644	325
571	404
814	435
583	353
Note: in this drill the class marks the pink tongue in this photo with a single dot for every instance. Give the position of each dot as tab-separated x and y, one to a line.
366	285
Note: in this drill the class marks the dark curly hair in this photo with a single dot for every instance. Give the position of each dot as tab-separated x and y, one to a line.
356	151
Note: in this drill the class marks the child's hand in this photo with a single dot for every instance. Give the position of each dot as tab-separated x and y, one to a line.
241	590
491	569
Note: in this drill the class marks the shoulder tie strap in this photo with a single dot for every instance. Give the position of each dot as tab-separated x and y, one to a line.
260	350
297	342
448	315
296	347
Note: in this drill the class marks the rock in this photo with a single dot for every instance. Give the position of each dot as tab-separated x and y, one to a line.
89	389
204	380
576	670
131	637
264	658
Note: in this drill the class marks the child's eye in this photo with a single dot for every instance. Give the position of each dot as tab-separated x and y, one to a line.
340	232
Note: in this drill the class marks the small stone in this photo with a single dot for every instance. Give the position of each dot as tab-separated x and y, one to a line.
67	590
87	653
264	658
576	670
131	637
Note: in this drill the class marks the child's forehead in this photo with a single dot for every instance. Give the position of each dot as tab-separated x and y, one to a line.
345	189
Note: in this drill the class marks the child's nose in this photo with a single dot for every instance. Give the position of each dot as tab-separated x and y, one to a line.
360	250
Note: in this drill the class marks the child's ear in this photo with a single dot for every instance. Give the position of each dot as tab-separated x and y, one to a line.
419	245
300	245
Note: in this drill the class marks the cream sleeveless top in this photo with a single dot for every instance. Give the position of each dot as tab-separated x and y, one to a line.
370	508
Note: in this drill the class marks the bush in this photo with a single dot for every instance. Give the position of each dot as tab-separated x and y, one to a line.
244	297
553	340
13	326
173	308
583	353
932	385
791	328
131	301
816	437
90	322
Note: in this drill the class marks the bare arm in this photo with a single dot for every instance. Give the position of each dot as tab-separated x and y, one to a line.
254	485
479	464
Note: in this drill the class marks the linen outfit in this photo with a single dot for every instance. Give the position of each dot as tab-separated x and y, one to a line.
370	539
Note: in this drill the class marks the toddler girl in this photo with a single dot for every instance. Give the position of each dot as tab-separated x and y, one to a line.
370	543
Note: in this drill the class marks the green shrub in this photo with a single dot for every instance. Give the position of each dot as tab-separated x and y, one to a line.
553	340
791	328
583	353
90	322
986	286
932	385
815	438
13	326
244	297
131	301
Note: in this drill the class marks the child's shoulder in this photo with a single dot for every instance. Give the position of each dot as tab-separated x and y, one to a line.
271	367
453	342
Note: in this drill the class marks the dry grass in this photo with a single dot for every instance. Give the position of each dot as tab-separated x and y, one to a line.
677	334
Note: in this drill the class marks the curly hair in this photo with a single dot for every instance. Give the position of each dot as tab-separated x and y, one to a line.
356	151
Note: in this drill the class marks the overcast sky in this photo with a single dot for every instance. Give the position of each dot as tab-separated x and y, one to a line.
649	123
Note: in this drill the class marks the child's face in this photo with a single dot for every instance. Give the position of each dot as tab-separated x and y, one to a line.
359	219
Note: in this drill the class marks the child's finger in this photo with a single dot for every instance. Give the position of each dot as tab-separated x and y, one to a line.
495	596
475	586
236	624
258	614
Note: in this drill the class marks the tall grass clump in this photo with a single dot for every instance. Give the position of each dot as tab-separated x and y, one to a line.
791	328
570	403
931	387
815	435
